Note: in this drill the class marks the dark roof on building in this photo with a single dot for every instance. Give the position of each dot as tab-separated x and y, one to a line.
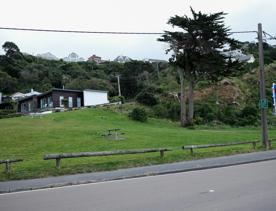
57	89
61	90
94	90
26	98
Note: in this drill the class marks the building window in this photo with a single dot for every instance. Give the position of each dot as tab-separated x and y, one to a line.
24	107
41	103
30	106
44	103
50	102
70	102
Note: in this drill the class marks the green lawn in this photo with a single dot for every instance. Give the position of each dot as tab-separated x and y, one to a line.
81	131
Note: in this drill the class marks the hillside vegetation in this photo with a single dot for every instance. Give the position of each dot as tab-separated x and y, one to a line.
82	130
232	101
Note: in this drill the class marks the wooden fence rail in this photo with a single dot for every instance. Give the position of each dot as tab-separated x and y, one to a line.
192	147
60	156
8	163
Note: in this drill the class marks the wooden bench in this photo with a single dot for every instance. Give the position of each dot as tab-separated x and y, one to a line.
58	157
192	147
8	163
114	134
111	131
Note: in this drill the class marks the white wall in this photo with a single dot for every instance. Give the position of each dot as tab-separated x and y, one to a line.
94	97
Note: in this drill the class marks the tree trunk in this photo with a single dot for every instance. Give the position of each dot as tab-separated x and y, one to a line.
191	102
183	118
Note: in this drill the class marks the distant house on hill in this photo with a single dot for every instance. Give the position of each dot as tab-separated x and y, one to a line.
122	59
155	61
18	95
239	56
73	57
48	56
96	59
61	98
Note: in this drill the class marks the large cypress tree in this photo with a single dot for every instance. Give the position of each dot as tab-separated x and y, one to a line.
197	47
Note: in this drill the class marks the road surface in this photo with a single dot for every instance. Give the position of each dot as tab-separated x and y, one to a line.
245	187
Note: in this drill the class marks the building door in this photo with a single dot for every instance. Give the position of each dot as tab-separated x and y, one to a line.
61	101
78	102
70	102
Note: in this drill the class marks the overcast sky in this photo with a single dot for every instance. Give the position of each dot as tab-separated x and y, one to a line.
118	15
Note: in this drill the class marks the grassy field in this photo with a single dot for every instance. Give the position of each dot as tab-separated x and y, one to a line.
81	131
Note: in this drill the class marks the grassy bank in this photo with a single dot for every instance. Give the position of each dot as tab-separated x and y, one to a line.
80	131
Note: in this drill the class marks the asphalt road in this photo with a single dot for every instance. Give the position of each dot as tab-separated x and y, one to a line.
244	187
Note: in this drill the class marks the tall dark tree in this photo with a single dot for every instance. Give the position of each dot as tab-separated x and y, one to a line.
11	62
10	48
197	53
7	83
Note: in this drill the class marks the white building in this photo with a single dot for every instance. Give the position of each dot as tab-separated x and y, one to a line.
94	97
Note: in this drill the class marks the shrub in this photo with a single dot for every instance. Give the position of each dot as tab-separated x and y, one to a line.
174	111
160	111
229	115
147	98
115	99
248	116
8	114
65	102
249	111
205	113
139	114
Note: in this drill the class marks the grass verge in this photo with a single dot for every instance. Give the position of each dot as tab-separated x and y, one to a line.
81	131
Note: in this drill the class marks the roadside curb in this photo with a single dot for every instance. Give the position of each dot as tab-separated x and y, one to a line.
194	165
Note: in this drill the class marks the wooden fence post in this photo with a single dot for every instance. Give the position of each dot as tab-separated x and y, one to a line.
8	167
58	162
192	151
254	145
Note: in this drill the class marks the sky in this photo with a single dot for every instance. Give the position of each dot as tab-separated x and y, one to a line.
119	15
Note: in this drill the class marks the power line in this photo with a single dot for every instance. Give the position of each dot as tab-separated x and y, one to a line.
242	32
80	31
271	37
100	32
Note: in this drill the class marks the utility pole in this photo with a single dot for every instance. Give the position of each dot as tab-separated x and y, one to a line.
157	68
263	100
118	81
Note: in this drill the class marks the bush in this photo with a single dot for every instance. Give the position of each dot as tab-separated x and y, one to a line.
249	111
229	115
139	114
160	111
65	102
174	111
115	99
248	116
147	98
204	113
8	114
